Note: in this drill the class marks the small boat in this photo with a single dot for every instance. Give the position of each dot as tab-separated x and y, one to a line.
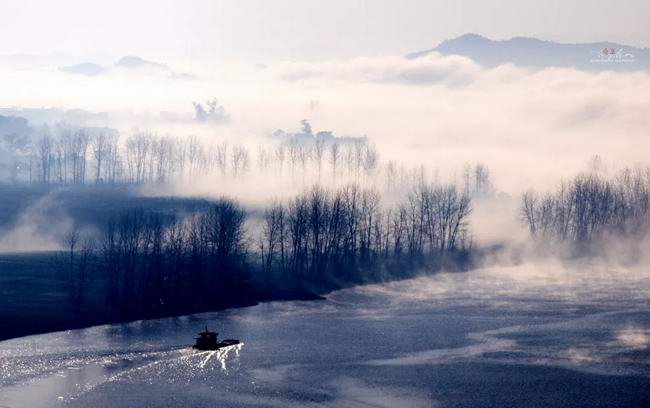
207	340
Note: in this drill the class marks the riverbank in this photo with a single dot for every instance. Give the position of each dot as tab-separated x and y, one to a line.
33	300
450	340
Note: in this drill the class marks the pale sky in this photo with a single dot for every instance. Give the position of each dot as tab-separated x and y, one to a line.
263	31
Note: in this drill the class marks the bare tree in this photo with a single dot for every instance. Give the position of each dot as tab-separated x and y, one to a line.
319	153
370	159
44	151
482	185
138	149
222	157
240	160
280	156
263	159
194	153
334	158
74	264
100	145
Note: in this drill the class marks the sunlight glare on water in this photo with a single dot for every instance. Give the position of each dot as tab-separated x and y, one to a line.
452	339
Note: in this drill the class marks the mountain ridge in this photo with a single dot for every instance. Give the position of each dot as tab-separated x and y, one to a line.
539	53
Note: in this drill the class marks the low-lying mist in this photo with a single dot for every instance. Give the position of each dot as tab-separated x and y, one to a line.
435	111
432	115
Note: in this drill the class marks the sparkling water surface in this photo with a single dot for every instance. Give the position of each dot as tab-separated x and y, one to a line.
518	336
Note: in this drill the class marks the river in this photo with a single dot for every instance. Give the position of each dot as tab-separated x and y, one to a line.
528	335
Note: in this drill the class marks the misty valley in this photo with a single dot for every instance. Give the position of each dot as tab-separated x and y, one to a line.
350	203
86	244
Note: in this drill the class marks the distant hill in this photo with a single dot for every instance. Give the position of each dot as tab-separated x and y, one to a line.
536	53
42	116
85	68
129	62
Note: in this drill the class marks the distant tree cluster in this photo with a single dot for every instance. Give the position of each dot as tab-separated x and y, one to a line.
590	207
476	180
211	112
92	155
78	156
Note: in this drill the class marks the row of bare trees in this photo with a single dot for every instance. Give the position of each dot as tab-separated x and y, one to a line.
150	260
321	157
84	155
60	160
590	207
344	234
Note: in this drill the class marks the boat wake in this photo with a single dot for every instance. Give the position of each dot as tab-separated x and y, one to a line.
221	355
83	375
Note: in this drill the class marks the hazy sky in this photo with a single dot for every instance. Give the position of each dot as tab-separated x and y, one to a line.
258	30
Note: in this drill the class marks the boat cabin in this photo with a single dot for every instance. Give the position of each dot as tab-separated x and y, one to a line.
207	340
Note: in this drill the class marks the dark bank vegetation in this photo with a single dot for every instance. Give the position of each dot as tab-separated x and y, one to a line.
154	263
591	210
324	237
150	260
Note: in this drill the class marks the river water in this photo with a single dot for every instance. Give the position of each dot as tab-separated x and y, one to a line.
529	336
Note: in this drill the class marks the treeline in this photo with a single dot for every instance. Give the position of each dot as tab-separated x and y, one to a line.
150	260
80	156
325	236
319	240
590	207
93	155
